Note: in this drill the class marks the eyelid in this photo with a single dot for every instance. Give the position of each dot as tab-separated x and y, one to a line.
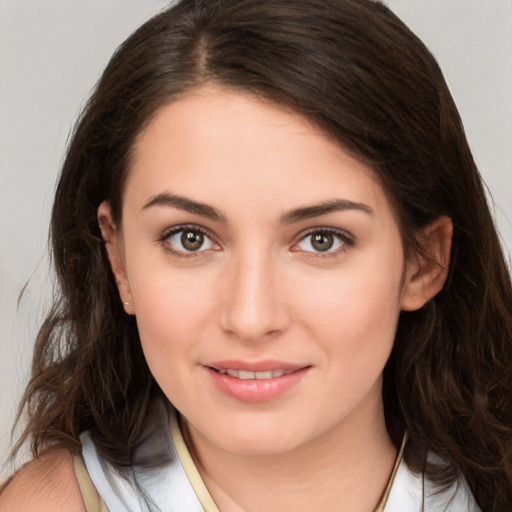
347	239
172	230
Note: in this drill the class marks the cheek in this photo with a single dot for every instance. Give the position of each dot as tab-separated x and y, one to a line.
356	313
172	313
172	308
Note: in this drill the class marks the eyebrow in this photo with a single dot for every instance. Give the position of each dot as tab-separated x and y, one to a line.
188	205
295	215
334	205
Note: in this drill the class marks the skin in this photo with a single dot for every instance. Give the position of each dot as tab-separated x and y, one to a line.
259	290
46	484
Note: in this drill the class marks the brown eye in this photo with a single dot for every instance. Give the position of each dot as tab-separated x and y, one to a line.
192	240
322	241
325	241
184	240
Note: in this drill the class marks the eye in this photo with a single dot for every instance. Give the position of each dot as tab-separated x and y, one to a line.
187	239
324	241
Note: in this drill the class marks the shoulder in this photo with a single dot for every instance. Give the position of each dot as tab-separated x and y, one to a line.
45	484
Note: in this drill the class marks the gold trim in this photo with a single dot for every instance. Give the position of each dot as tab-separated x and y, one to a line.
92	500
3	485
384	500
190	468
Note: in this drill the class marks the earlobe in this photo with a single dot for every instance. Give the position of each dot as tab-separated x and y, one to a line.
112	240
426	272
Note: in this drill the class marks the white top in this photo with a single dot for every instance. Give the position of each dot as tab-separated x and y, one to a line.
407	495
176	486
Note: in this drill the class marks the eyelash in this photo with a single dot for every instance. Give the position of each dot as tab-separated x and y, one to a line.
168	233
345	238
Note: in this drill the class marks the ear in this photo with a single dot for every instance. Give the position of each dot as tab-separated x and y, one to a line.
426	272
113	245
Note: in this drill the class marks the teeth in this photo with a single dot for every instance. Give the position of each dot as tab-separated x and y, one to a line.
242	374
247	375
263	375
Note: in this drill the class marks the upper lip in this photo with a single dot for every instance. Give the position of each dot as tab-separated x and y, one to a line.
255	366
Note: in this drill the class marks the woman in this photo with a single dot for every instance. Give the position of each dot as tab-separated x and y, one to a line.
269	217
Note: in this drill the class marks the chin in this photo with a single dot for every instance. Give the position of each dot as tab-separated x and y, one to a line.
257	436
260	446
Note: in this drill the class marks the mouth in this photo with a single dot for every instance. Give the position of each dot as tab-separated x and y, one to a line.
256	382
249	375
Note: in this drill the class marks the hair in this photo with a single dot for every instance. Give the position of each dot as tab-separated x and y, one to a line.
359	74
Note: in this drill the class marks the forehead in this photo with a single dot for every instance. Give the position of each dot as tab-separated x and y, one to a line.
225	147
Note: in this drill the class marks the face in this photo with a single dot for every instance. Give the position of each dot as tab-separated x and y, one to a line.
265	269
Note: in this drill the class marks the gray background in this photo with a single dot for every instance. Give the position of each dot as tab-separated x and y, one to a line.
51	54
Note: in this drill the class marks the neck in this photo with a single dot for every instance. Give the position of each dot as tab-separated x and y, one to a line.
345	469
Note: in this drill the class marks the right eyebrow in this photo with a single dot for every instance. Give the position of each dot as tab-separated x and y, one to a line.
185	204
317	210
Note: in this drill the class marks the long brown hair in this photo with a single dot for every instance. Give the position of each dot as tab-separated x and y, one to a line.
357	72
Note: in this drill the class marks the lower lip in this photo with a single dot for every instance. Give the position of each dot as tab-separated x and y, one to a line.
256	390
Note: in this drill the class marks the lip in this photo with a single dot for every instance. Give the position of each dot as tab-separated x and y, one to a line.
255	366
256	390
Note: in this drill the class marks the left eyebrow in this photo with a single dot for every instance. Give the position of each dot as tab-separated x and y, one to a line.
186	204
316	210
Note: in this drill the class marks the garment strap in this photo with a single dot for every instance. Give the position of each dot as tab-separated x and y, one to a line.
92	500
3	485
202	493
382	505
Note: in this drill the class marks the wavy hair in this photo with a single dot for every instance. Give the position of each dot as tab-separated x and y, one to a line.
357	72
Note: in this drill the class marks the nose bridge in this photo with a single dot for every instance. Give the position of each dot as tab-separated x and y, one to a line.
252	307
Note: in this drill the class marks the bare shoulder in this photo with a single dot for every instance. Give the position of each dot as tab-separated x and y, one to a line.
44	484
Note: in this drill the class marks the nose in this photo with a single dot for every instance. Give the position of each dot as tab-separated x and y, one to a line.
253	306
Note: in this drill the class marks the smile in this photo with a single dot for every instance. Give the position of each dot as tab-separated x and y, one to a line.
256	382
248	375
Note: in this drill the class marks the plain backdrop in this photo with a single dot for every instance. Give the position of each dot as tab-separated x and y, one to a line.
51	54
